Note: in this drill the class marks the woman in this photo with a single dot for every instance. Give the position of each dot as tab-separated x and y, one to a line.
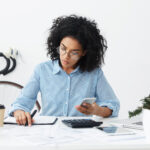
76	49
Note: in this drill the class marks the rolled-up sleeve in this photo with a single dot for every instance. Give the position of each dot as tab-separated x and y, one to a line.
106	96
27	98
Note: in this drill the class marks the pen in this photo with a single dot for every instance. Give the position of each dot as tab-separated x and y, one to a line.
32	115
55	121
34	112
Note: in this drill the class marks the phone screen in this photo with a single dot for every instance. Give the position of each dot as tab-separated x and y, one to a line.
115	130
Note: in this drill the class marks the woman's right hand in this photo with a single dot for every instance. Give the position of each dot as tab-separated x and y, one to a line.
23	117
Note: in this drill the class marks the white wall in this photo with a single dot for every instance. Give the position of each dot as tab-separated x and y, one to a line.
24	25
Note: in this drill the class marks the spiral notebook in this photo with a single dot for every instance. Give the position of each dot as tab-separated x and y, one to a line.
38	120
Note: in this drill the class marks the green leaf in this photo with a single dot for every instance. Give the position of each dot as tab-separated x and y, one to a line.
145	104
135	112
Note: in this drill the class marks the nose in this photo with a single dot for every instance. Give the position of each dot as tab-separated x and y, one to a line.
67	55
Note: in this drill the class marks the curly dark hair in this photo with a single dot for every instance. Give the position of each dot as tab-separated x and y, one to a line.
83	30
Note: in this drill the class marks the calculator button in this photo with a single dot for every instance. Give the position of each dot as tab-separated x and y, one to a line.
81	123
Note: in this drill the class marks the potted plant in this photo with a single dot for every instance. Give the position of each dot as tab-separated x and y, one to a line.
145	108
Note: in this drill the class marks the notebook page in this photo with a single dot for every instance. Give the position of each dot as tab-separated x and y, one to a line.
37	119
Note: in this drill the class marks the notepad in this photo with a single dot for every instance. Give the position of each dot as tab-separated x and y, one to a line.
38	120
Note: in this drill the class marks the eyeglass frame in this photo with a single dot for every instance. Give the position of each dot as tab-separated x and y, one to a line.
64	52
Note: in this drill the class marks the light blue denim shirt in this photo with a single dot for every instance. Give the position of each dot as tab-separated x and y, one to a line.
61	92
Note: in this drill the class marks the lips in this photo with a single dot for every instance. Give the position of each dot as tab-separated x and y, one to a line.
65	62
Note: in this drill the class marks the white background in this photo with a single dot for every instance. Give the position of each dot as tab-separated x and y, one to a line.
24	25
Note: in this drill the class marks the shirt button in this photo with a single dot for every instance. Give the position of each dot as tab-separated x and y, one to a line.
66	103
67	89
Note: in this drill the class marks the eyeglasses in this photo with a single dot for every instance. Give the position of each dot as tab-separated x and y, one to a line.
72	54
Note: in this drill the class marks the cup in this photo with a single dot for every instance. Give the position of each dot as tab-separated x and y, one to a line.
2	111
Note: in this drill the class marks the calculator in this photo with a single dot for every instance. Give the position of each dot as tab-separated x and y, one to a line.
81	123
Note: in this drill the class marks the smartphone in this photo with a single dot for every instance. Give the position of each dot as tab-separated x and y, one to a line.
113	130
88	100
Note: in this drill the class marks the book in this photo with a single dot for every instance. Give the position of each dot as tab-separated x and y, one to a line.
38	120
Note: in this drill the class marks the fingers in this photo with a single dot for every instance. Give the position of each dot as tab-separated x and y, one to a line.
83	110
87	109
86	105
18	115
29	120
20	119
32	120
23	117
17	120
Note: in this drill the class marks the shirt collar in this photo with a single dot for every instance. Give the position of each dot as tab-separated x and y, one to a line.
75	70
57	67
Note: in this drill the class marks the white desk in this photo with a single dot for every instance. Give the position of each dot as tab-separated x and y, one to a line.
61	137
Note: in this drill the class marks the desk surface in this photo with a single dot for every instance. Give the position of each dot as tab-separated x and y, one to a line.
61	137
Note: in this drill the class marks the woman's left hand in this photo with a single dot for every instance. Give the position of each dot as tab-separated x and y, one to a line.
94	109
88	109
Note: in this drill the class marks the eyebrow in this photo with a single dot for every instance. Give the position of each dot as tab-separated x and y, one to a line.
71	49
